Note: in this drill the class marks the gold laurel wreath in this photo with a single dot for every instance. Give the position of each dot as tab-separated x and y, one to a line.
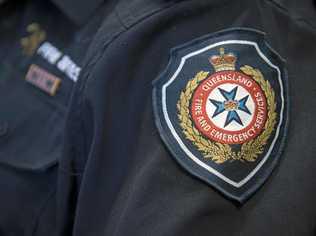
218	152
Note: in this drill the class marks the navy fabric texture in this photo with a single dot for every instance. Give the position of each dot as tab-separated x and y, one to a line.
123	178
31	121
91	161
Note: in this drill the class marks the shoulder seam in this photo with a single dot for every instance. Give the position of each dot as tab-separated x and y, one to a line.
97	58
120	19
90	66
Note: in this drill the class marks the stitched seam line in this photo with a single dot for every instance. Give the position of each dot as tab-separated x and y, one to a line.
120	19
118	34
91	66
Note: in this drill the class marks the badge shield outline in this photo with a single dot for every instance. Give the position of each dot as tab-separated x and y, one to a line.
181	148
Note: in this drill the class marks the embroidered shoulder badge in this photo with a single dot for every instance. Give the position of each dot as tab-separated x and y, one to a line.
221	108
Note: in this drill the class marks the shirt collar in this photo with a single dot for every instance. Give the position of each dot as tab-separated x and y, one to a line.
78	11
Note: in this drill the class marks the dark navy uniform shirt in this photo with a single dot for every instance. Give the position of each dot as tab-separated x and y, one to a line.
118	177
42	45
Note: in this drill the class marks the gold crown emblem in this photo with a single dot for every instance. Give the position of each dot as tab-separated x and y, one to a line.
223	61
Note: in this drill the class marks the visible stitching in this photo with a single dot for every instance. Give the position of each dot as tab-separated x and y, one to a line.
118	34
120	19
94	61
90	67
